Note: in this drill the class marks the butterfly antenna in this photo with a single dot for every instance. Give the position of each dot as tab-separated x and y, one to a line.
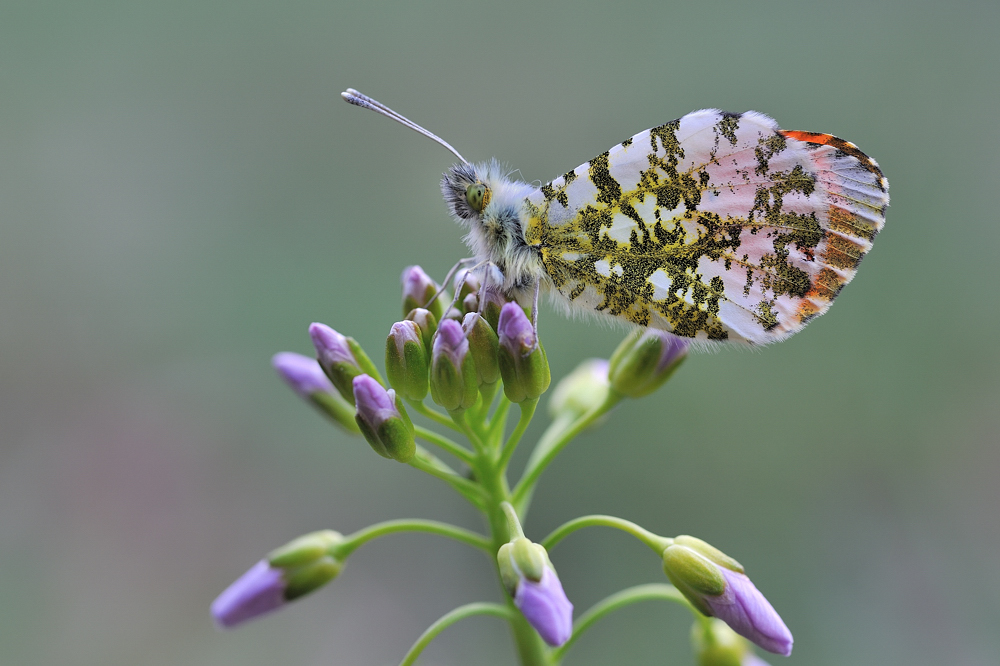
352	96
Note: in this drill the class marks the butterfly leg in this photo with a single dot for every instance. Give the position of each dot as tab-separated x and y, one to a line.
447	278
534	309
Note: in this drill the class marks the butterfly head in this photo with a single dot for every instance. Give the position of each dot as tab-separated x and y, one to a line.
466	192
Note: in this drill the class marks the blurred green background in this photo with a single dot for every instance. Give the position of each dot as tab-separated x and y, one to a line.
182	191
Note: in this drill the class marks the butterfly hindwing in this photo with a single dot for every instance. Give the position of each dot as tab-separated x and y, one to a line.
715	226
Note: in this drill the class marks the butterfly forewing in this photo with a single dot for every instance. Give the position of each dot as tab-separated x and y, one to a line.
716	226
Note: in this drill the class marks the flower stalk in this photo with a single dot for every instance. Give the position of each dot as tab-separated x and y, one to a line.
474	370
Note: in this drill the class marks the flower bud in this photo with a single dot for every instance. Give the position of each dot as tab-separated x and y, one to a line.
580	391
419	289
466	283
529	577
470	303
493	301
715	584
483	345
306	378
383	420
523	365
406	360
644	360
715	644
286	574
454	383
341	358
427	323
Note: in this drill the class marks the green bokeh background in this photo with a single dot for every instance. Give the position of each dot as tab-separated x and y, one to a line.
182	191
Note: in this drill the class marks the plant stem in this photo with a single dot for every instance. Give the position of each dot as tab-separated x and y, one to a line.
657	543
527	411
433	414
449	619
354	541
452	447
427	462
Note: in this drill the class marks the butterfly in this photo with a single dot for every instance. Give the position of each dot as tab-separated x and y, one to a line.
716	227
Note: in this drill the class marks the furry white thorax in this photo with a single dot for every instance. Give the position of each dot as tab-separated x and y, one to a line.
496	234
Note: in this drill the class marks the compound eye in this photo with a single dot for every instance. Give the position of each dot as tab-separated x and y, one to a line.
478	195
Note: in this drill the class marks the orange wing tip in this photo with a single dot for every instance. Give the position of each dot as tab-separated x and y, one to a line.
847	147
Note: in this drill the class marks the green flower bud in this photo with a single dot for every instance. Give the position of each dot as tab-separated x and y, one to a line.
383	420
709	551
419	289
306	549
467	283
427	323
492	302
694	575
454	383
644	360
406	360
715	644
484	346
581	390
523	365
305	579
470	304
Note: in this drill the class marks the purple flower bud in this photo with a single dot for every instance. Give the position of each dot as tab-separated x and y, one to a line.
454	384
528	576
546	608
307	379
715	584
419	289
523	365
302	373
644	361
341	358
382	420
466	282
257	592
745	609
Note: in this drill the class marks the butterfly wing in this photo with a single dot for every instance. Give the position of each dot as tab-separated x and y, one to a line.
716	226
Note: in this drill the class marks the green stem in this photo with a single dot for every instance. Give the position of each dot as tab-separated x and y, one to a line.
530	648
433	414
655	591
657	543
452	447
487	393
527	411
354	541
552	447
449	619
499	420
459	417
425	461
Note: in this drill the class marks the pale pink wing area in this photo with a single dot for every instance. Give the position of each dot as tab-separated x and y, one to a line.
716	227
